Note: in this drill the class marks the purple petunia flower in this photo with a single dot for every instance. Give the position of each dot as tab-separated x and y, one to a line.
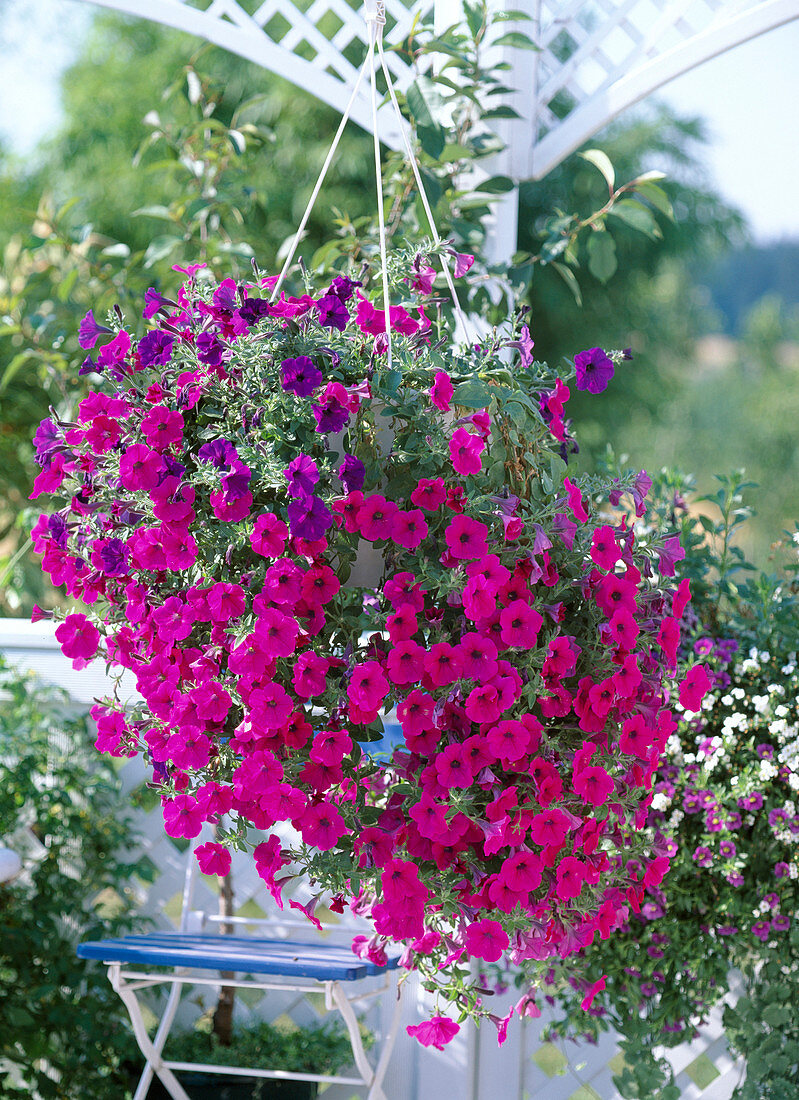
765	752
300	376
219	452
691	802
209	349
332	312
254	309
90	330
703	856
88	366
777	817
703	646
309	517
45	440
781	923
225	295
343	287
302	474
781	869
57	526
751	801
594	370
153	302
352	473
331	414
114	556
761	929
727	849
236	484
155	348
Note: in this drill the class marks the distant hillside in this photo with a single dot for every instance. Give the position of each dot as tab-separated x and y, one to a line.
746	274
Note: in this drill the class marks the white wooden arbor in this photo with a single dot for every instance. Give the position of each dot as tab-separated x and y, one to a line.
597	57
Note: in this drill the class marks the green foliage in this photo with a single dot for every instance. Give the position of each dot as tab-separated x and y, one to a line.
763	1026
61	1024
322	1049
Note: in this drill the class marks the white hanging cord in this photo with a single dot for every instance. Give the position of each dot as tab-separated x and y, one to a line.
376	20
422	192
321	180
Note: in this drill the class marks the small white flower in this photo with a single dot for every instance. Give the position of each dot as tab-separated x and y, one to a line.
738	693
660	801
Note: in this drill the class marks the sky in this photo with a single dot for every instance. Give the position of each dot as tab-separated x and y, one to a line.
747	96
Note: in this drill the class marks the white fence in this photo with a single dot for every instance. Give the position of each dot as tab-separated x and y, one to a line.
472	1067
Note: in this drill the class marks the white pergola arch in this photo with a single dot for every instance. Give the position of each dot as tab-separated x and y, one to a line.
597	57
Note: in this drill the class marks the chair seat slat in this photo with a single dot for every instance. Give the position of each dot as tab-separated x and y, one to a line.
325	962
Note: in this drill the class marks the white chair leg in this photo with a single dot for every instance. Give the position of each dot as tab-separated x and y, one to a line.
155	1063
160	1039
351	1020
387	1047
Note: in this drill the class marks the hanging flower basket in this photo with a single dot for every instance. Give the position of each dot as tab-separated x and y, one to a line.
521	636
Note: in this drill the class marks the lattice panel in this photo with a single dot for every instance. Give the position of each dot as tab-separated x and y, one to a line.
317	44
596	58
600	56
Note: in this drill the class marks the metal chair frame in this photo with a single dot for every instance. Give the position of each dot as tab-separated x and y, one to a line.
128	982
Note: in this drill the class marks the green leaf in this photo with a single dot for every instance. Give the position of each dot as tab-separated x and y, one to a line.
657	196
570	279
601	161
473	394
425	103
638	217
13	369
432	140
154	211
159	248
602	261
474	17
501	112
518	40
496	185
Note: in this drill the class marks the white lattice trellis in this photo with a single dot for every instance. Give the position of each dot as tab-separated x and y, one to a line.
597	57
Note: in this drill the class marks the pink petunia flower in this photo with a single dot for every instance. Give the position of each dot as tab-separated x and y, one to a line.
465	450
436	1032
486	939
441	391
466	538
214	859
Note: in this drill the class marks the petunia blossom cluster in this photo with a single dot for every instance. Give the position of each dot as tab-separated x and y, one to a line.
293	547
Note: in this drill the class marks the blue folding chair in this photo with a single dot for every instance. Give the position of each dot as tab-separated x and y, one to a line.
270	964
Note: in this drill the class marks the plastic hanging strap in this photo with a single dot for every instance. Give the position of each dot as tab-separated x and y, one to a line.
376	19
321	180
422	192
